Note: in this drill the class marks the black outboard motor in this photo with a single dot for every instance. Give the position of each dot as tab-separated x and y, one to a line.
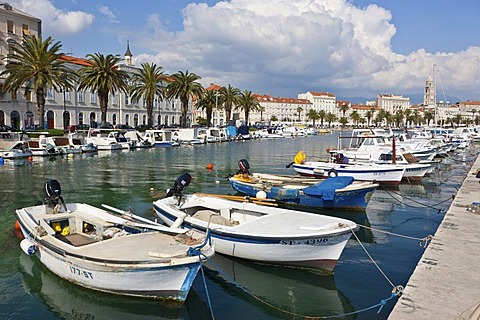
53	193
244	166
181	183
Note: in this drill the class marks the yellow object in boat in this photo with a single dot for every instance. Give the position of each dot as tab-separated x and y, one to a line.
299	157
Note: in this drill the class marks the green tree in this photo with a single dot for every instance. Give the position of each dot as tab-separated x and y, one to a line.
208	103
322	115
343	121
247	102
229	98
398	117
313	115
330	117
103	76
299	112
344	108
148	83
37	65
184	86
407	113
428	116
355	116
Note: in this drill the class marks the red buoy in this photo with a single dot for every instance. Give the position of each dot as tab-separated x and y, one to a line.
209	166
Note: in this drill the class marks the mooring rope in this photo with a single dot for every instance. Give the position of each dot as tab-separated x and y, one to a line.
396	292
423	242
205	285
418	202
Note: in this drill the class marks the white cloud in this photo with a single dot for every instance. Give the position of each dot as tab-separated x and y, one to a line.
55	22
299	45
108	14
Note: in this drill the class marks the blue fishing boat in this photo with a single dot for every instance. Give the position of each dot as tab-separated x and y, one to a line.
341	192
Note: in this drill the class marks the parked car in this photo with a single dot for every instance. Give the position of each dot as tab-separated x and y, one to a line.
78	127
123	127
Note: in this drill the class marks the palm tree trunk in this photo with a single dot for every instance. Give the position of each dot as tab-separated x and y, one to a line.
41	108
103	107
183	122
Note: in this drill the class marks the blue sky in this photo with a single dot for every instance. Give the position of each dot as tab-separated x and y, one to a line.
283	47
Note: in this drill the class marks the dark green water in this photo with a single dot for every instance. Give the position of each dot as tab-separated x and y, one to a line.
124	179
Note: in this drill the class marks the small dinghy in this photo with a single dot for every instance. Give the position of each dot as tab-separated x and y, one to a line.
334	192
256	232
121	254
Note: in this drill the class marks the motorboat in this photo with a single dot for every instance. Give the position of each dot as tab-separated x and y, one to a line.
102	139
256	231
383	174
18	150
332	192
161	137
117	253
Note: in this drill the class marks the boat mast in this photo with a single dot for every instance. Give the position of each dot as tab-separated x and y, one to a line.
434	97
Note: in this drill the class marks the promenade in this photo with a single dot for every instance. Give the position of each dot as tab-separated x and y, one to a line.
446	282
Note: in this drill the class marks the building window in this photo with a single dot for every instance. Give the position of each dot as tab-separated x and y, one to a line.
28	96
14	95
80	118
81	96
25	30
114	99
93	97
66	95
50	95
10	26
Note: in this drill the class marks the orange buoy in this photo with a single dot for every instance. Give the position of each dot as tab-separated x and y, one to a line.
328	150
209	166
30	158
17	231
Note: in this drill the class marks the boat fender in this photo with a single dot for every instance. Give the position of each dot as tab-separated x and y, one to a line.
178	222
332	173
28	247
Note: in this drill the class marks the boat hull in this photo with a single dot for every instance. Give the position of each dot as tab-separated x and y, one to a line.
126	265
333	199
314	249
380	174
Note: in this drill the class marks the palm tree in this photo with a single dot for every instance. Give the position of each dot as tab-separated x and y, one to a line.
247	102
148	83
229	98
313	115
262	110
343	108
322	115
184	86
428	116
355	116
330	117
299	112
37	64
208	103
104	77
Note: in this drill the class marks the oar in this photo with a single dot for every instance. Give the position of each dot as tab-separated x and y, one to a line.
248	198
149	224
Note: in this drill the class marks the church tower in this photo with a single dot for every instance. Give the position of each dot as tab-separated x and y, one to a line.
429	94
128	56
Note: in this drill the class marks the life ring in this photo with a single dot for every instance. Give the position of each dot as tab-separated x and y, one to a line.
332	173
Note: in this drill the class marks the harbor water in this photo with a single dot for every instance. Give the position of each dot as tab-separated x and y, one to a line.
385	254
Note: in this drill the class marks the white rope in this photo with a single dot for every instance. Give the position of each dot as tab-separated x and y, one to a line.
368	254
423	240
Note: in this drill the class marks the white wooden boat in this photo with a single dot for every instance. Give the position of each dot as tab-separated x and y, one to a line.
257	232
125	255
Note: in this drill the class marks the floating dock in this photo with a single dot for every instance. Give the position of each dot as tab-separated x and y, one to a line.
446	282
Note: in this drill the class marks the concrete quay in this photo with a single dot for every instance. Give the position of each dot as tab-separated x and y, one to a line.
446	282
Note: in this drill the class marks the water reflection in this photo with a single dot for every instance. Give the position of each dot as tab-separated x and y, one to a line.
296	291
68	301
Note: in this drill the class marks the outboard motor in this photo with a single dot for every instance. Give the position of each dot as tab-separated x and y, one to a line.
180	183
244	166
53	193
